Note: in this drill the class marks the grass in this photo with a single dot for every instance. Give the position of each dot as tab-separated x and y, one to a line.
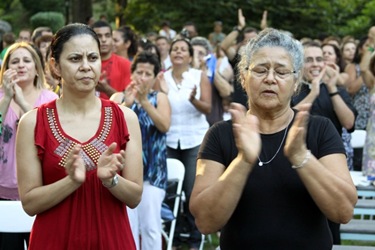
358	243
215	242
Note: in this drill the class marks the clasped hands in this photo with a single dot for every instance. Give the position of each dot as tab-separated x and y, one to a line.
109	164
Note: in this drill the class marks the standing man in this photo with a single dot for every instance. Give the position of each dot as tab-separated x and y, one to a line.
115	74
191	29
217	36
320	88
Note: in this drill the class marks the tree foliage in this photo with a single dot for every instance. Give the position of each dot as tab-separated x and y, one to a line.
304	18
43	5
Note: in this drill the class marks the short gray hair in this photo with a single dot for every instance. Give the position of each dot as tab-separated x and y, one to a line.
273	38
201	41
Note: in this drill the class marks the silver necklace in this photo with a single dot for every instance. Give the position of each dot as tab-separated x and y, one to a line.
261	163
178	83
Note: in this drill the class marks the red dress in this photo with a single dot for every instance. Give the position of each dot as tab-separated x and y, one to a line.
91	217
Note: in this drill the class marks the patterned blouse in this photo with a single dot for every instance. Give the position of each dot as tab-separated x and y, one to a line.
154	146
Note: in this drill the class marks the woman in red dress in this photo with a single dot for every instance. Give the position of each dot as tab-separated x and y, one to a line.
79	158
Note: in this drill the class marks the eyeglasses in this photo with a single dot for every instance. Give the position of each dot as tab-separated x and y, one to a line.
279	73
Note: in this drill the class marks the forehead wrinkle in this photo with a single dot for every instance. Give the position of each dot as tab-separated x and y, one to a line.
283	61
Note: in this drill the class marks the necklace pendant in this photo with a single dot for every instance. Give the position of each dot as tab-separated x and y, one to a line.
260	164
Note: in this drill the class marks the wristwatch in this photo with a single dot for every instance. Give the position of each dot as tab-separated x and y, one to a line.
113	183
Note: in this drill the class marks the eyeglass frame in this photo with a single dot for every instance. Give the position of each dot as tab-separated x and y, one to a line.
267	71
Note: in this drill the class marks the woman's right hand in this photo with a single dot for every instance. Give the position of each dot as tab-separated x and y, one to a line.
246	133
9	81
129	94
75	166
241	19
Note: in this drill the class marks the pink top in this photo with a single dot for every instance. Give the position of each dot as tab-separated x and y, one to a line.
8	178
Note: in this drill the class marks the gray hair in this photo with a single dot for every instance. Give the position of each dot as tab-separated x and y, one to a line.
273	38
201	41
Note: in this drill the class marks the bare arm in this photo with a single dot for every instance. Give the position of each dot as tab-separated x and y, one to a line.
222	85
217	190
160	115
263	22
343	112
366	74
354	82
328	179
130	186
35	196
228	43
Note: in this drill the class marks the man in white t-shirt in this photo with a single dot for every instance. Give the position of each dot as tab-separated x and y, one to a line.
167	31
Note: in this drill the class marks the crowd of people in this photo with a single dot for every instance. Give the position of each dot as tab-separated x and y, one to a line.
90	113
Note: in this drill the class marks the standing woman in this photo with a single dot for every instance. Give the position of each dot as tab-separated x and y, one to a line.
125	42
154	115
272	172
367	68
360	94
190	98
332	57
79	158
22	88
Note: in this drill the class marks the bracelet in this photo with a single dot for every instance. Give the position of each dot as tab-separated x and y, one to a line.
113	183
235	28
307	157
333	94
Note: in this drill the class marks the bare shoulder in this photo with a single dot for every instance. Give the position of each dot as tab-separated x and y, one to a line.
117	97
28	119
128	113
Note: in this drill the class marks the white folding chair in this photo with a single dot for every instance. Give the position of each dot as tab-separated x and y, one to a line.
13	219
176	173
358	138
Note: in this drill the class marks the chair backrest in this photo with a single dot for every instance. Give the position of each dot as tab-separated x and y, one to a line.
176	173
13	219
358	138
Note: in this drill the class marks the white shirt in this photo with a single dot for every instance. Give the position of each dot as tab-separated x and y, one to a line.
171	34
167	63
188	125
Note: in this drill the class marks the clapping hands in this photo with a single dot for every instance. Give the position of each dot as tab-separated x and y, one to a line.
246	133
110	163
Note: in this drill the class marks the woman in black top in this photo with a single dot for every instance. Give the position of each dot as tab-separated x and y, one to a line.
271	177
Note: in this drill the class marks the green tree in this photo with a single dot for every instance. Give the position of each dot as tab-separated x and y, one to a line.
43	5
304	18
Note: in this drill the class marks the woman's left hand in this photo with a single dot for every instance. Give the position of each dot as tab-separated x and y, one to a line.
193	93
295	145
110	163
141	91
18	95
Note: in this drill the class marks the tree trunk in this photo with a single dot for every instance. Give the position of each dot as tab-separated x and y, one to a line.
80	10
120	8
